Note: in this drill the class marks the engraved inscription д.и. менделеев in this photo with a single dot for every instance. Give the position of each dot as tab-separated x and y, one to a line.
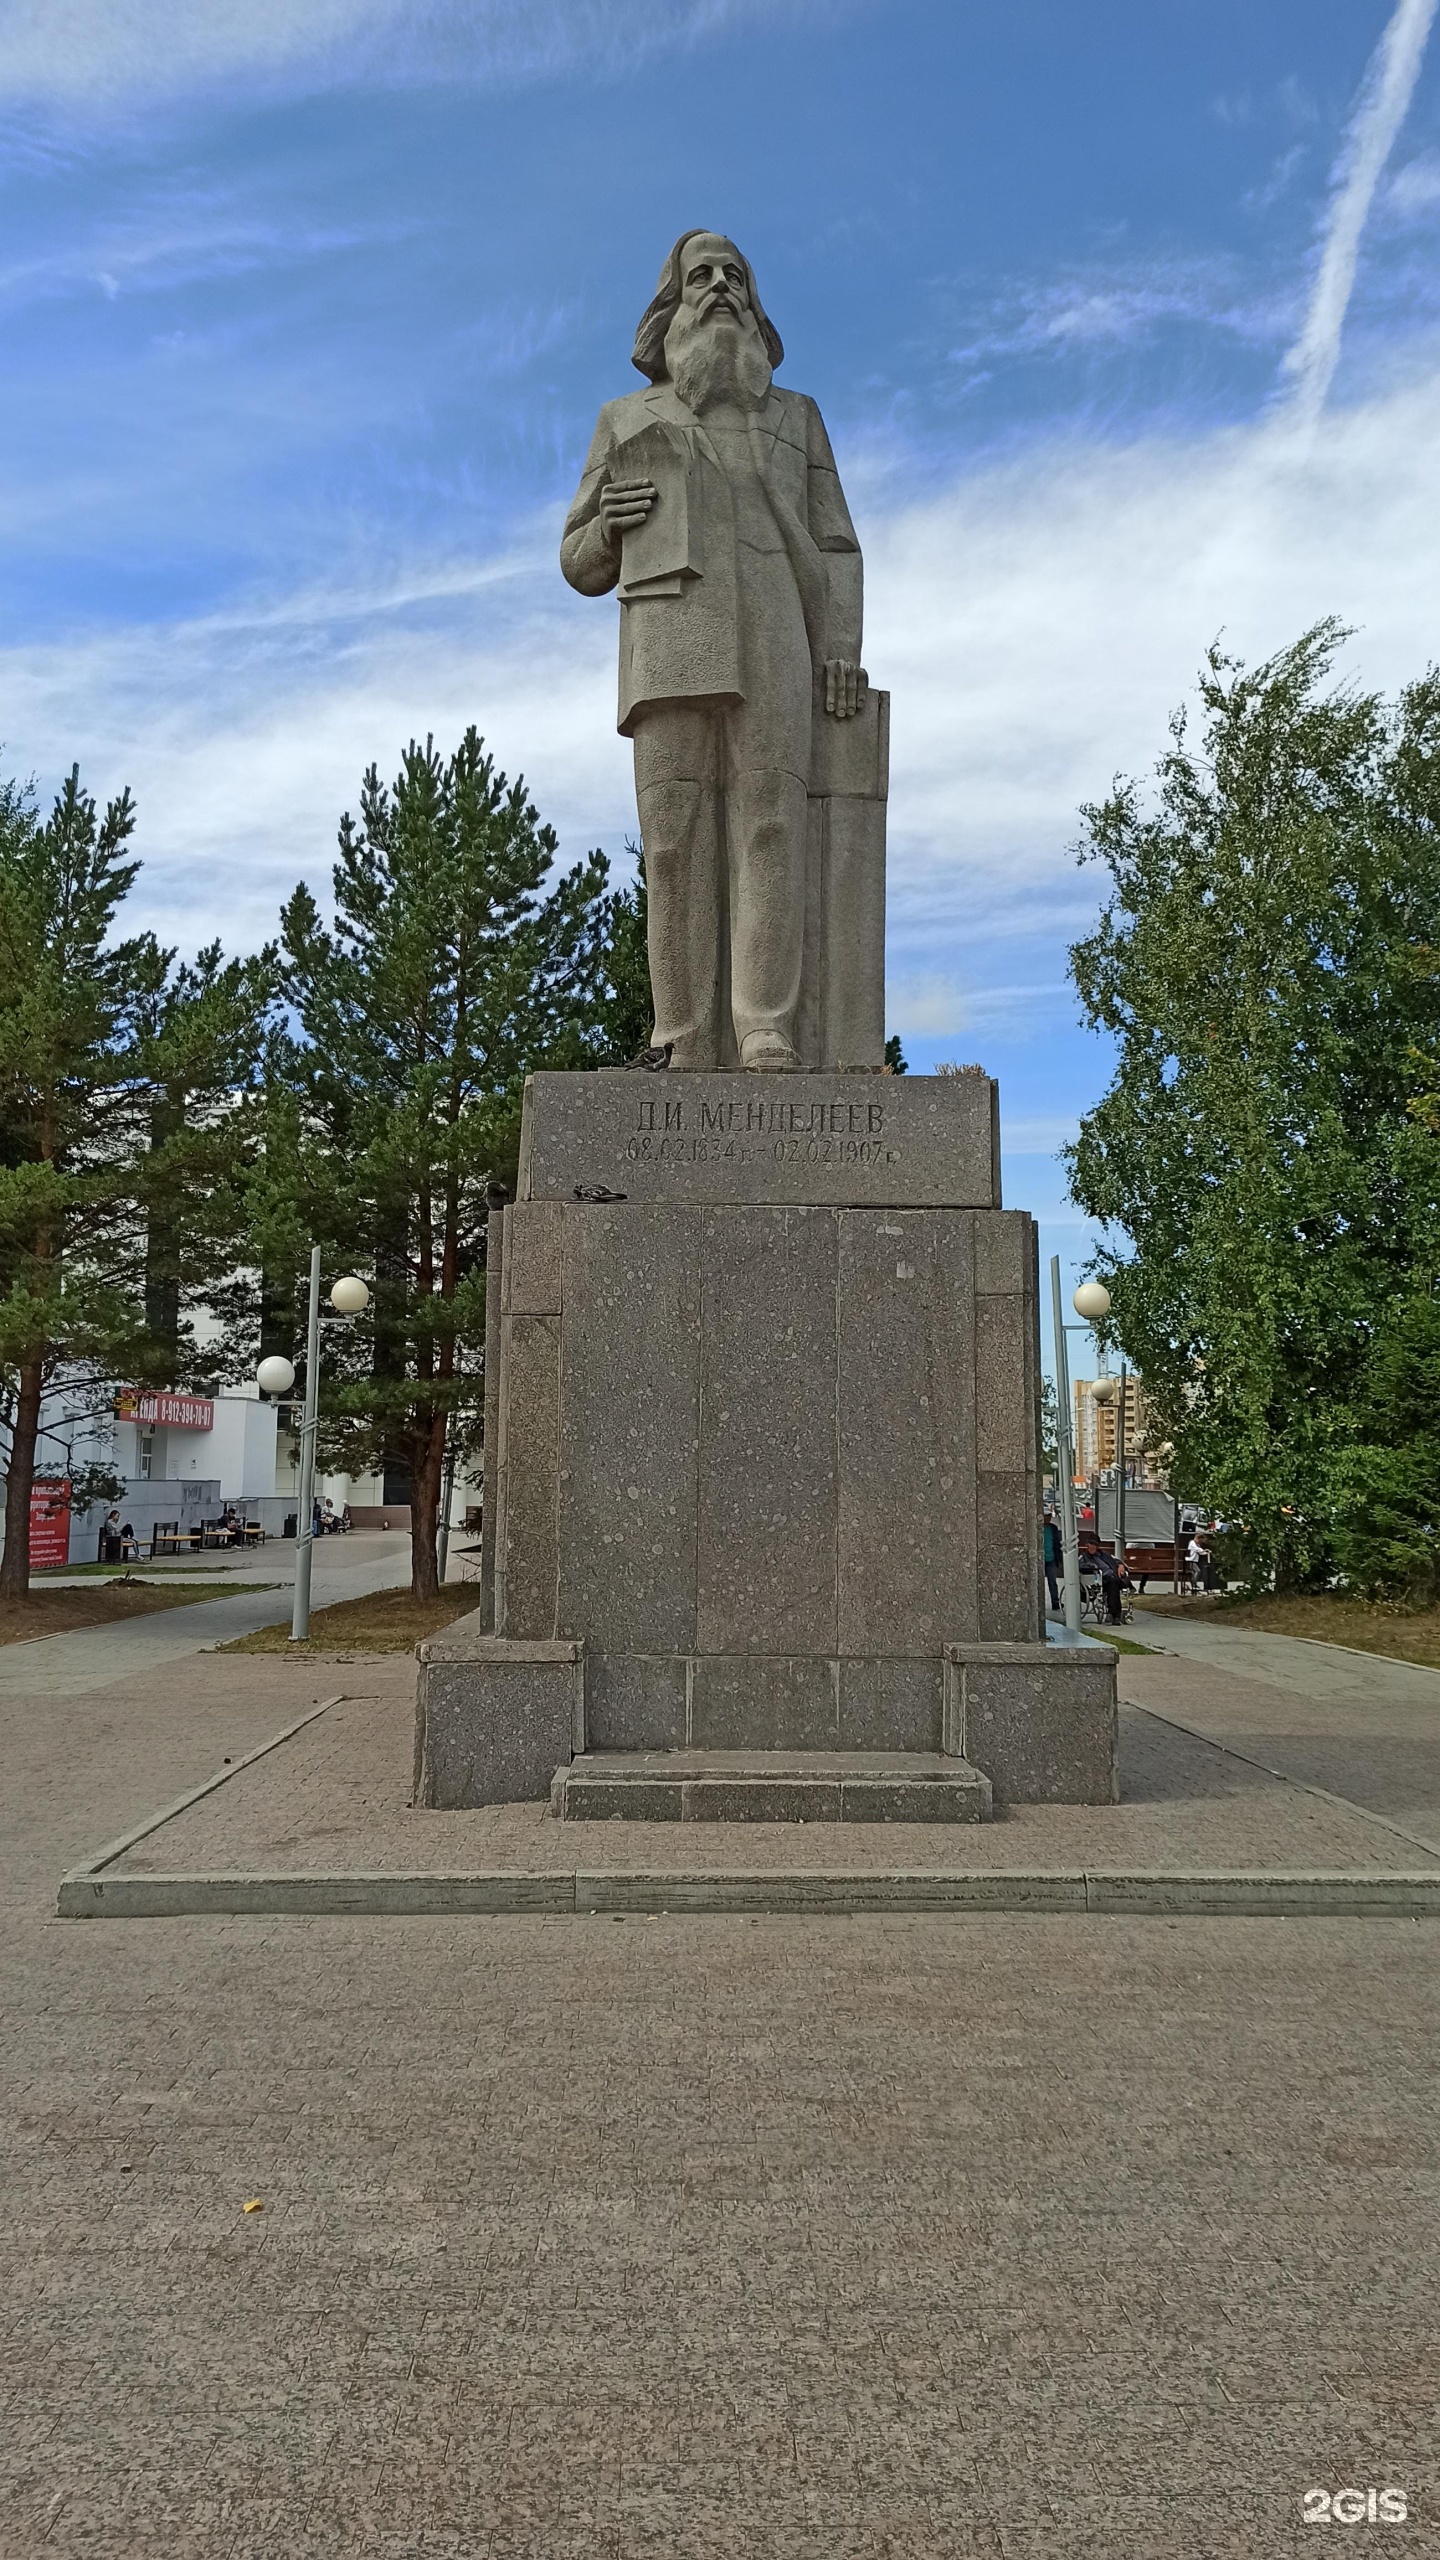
928	1141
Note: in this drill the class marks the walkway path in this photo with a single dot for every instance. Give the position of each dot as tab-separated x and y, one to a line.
67	1666
1361	1725
1322	1672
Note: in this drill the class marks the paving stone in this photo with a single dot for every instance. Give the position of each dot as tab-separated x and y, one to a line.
879	2238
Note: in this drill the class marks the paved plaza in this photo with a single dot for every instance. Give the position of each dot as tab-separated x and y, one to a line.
637	2239
63	1666
333	1799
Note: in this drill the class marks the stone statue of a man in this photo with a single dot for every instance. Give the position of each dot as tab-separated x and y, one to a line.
713	503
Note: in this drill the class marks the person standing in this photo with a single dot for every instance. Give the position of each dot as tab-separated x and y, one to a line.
1054	1557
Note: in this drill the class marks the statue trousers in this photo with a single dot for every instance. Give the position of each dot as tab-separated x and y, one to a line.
722	789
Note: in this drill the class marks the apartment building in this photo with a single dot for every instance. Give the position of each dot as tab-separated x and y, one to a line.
1097	1427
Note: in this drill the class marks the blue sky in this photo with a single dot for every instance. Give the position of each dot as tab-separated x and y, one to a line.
308	306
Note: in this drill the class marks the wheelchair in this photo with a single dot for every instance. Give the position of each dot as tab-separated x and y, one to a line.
1092	1602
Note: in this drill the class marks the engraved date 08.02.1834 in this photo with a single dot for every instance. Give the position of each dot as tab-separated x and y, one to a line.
675	1130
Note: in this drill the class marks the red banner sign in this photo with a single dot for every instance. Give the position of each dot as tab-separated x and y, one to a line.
49	1522
179	1413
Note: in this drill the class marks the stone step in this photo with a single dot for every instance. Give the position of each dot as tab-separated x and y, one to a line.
769	1786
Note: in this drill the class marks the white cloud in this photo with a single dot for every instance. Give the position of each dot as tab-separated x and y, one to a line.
1024	1137
1384	102
1414	191
1125	305
69	48
104	52
167	247
930	1006
1035	623
933	1006
246	734
1259	199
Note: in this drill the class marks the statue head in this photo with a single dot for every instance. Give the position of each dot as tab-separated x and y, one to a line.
706	314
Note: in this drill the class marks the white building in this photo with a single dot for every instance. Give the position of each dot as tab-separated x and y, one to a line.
183	1457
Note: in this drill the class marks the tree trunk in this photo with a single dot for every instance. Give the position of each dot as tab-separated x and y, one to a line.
1287	1576
162	1244
15	1565
425	1510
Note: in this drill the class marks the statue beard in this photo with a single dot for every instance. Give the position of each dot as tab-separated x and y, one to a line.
711	364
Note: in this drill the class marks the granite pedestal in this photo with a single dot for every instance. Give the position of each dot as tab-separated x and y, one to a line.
762	1441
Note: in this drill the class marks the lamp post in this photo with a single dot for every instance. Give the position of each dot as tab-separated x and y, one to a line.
447	1496
1120	1471
275	1377
1065	1454
1091	1300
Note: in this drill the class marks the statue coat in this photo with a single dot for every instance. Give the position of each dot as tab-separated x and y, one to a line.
680	595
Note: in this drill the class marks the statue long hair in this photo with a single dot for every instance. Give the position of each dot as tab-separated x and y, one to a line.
648	354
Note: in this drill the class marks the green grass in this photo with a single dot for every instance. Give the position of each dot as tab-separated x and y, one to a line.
378	1622
118	1572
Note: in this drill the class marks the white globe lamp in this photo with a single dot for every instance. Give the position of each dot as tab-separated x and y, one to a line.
1102	1390
1091	1300
349	1297
275	1376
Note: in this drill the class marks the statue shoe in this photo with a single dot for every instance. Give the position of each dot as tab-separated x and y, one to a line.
768	1052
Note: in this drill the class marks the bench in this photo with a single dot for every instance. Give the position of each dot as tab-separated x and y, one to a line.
167	1538
1156	1562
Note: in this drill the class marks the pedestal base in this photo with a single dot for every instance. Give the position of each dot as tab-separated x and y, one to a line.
762	1436
769	1786
492	1719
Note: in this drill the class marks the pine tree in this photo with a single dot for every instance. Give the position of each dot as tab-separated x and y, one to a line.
64	991
450	973
122	1131
198	1034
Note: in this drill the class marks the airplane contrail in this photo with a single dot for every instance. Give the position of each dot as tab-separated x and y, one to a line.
1388	88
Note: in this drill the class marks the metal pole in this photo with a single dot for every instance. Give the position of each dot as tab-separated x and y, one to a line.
1065	1456
305	1516
1120	1474
447	1496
